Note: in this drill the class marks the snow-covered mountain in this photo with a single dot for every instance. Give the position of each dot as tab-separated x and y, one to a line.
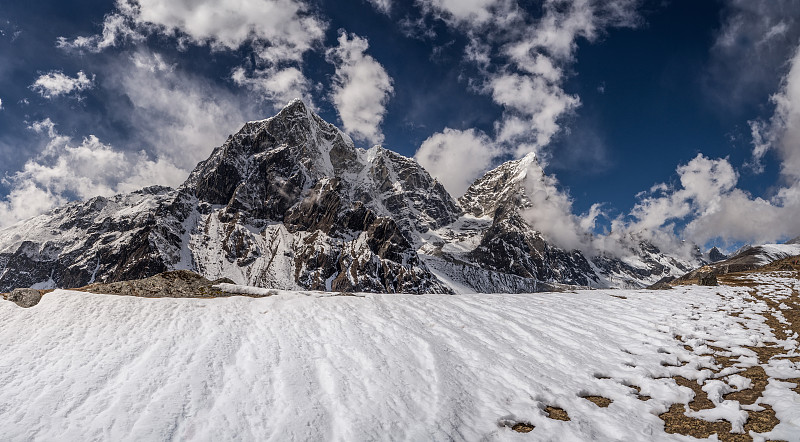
290	203
747	258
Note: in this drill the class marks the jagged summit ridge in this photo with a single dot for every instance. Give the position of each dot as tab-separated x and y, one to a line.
289	202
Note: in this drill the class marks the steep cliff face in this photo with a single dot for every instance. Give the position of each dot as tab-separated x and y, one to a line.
290	203
511	244
286	202
124	237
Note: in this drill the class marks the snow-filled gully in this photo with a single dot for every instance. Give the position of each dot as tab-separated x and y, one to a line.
632	365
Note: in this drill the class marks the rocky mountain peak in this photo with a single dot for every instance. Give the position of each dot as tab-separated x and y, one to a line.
289	202
715	255
503	185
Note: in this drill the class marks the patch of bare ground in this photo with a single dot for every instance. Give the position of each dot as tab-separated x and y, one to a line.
639	395
600	401
676	421
556	413
518	426
749	396
523	427
700	401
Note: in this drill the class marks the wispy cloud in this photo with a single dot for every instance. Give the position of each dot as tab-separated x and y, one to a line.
522	60
279	32
56	83
384	6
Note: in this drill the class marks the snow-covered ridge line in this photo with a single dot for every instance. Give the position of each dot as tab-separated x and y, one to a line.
289	203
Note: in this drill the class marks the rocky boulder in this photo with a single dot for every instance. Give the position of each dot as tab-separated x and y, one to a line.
174	284
706	278
25	297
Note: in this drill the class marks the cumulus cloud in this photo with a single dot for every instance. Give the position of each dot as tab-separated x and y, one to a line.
275	85
66	170
713	208
361	88
1	104
552	213
56	83
283	28
279	32
456	158
522	60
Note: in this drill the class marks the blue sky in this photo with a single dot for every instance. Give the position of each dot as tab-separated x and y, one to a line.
671	119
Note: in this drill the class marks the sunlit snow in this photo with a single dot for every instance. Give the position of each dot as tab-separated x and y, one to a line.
311	366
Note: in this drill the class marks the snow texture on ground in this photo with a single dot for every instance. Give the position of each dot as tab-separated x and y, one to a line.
303	366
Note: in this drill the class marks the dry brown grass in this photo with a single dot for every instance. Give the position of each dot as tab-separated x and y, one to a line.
556	413
523	427
676	421
600	401
639	395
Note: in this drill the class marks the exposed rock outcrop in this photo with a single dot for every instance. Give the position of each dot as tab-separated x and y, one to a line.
25	297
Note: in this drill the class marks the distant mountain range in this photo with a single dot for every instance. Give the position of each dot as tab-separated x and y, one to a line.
290	203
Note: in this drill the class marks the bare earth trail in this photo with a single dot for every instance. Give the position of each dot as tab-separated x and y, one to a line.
607	365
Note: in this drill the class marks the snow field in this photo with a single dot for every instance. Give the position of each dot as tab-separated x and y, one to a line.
308	366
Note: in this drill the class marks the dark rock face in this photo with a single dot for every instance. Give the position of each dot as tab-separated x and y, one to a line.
511	246
714	255
706	278
173	284
25	297
407	192
655	264
83	242
662	284
290	203
286	202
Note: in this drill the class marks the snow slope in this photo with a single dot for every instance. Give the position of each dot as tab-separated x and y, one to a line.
308	366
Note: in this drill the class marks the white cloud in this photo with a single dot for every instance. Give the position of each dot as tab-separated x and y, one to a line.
117	27
384	6
177	117
750	50
180	116
279	32
275	85
540	103
551	211
55	83
522	60
782	132
714	208
1	104
462	11
285	27
361	88
457	158
64	171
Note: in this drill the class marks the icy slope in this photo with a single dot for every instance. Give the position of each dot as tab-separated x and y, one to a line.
302	366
